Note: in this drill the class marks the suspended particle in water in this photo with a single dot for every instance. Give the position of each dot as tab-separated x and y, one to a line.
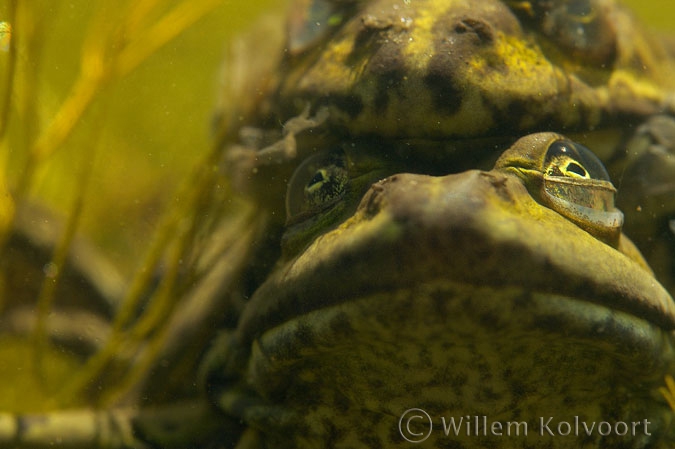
5	35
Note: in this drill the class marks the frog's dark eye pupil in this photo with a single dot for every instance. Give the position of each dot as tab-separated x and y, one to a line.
318	178
570	159
326	186
576	168
317	184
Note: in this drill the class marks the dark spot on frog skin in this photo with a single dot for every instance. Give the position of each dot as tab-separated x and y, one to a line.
450	375
490	320
509	116
550	322
334	435
380	41
456	38
450	444
385	83
517	389
341	326
488	394
388	66
516	108
459	35
447	95
351	104
371	440
341	402
515	412
305	333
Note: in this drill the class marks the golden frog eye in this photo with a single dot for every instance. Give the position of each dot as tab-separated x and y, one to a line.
567	177
319	182
580	28
577	186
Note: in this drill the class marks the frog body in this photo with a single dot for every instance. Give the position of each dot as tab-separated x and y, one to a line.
407	96
458	69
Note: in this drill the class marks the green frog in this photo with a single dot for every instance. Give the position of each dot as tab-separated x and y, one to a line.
400	285
438	257
503	296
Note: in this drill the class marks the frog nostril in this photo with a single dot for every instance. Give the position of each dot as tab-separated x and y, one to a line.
371	204
480	28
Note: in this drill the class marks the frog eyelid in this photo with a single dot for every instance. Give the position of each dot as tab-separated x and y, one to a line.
611	219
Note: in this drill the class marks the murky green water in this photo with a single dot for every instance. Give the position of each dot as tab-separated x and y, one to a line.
146	130
658	13
150	126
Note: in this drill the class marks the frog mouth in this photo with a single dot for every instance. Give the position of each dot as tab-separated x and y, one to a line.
474	228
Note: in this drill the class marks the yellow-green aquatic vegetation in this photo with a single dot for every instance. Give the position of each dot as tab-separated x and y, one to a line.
68	74
5	35
668	391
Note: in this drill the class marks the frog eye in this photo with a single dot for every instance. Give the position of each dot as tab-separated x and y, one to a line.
576	185
579	27
316	184
312	20
572	160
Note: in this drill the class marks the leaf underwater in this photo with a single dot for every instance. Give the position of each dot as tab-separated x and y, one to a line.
133	68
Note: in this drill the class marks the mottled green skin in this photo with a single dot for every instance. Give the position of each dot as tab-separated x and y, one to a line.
461	295
334	379
460	68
